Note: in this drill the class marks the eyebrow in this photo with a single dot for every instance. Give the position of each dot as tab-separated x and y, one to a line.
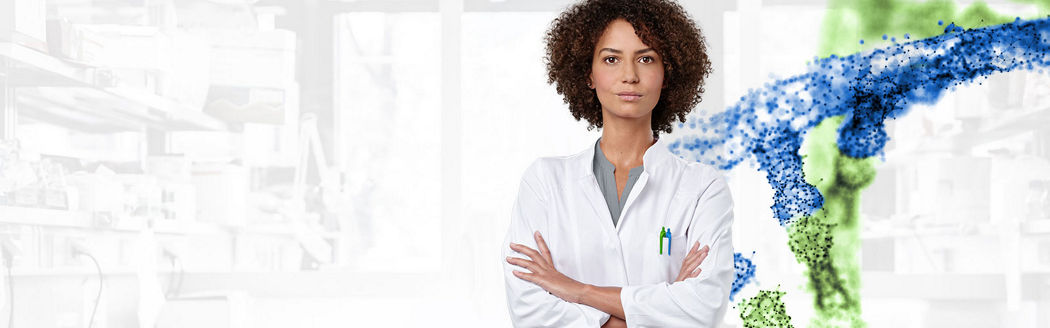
616	51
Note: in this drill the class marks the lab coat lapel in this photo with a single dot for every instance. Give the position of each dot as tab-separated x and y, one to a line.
636	191
590	188
589	185
655	156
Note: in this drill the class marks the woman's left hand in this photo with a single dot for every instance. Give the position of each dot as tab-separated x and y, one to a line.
543	273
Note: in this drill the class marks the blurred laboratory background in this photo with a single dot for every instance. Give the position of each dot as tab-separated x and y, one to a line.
341	163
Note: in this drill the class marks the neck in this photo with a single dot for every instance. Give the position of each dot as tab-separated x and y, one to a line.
624	141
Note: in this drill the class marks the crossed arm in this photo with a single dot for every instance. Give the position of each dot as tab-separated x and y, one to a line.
605	299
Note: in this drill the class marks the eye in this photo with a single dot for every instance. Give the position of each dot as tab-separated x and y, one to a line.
610	60
647	60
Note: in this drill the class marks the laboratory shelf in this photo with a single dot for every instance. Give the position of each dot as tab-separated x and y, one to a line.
86	270
77	96
324	283
32	216
84	220
1010	122
952	286
45	217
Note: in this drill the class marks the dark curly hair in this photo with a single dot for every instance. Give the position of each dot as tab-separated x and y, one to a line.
660	24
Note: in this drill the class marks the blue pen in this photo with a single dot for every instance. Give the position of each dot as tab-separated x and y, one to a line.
668	242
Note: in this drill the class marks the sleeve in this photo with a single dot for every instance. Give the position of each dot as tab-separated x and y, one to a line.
530	305
700	301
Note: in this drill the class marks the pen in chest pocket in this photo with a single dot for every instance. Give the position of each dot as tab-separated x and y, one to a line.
665	233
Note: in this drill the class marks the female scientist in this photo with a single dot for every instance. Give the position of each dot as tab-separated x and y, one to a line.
612	235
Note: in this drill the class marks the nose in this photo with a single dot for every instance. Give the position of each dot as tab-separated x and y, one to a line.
630	74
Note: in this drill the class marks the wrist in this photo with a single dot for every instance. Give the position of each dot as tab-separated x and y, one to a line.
581	292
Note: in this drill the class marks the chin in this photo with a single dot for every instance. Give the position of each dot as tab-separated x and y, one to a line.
632	112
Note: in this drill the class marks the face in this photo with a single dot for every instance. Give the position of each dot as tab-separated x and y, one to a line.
626	74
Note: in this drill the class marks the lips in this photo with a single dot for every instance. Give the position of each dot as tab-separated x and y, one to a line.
628	96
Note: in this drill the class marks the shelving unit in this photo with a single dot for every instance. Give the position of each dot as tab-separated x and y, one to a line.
70	95
123	108
38	87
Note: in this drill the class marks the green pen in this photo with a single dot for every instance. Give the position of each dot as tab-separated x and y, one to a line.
663	232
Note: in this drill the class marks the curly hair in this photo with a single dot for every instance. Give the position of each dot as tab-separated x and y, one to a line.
660	24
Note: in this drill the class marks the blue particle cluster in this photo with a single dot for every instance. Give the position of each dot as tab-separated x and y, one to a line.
745	272
768	124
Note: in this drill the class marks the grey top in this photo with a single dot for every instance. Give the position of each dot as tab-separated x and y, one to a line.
603	171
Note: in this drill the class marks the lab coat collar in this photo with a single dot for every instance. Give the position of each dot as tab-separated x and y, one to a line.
655	156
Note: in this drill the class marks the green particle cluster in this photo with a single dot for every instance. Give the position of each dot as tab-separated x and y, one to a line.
765	310
828	241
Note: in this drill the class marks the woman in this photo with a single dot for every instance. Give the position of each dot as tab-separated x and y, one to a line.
611	235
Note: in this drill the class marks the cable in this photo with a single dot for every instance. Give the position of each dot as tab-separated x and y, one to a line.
10	298
182	275
175	285
100	282
171	280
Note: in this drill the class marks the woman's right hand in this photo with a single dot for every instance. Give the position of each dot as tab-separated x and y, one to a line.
691	262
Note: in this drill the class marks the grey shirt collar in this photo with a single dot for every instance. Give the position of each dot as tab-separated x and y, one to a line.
604	172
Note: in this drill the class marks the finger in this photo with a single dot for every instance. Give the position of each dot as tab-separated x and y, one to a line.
692	253
531	253
683	275
689	263
692	262
530	277
693	273
695	253
696	262
695	248
542	245
688	268
703	254
523	263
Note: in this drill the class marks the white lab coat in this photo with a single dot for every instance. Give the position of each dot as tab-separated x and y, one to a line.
560	197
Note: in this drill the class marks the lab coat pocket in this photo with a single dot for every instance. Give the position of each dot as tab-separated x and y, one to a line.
666	257
677	221
674	261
